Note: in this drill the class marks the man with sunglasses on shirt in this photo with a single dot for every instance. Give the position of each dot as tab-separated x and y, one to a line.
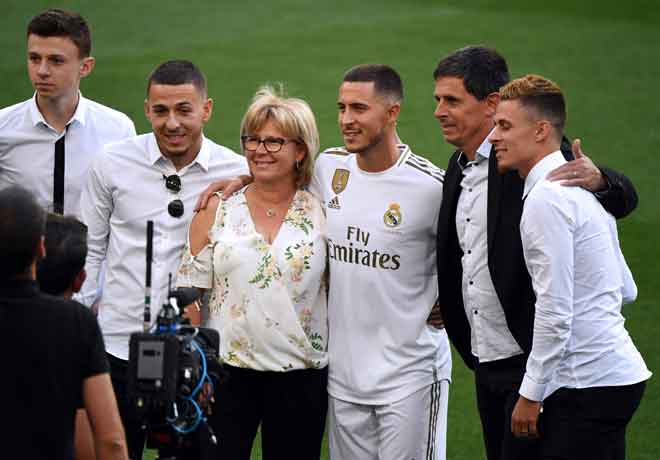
155	176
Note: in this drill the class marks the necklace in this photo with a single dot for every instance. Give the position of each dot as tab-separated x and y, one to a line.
270	212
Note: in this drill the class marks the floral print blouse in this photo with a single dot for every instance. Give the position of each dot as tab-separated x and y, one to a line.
268	301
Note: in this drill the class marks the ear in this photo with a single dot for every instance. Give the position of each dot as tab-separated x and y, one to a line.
79	280
146	108
543	131
87	66
208	110
301	152
393	112
492	101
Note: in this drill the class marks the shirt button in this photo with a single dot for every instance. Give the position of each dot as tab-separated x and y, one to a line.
469	251
471	283
469	190
476	312
468	219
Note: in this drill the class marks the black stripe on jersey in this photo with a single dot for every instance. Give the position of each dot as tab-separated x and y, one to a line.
426	166
434	409
423	162
434	174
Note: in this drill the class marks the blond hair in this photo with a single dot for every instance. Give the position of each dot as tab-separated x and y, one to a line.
541	96
291	115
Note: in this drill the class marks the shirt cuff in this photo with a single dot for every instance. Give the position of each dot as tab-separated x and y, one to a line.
532	390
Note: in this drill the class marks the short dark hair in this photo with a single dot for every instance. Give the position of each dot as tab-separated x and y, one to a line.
539	95
483	70
387	81
60	23
23	225
178	72
66	250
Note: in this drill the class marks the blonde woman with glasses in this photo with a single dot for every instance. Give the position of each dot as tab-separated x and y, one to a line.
262	252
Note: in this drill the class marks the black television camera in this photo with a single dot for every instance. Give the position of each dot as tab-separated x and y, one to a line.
172	373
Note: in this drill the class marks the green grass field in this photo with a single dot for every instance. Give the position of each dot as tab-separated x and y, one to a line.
605	55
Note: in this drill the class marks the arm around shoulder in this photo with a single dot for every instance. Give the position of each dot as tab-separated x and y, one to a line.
202	224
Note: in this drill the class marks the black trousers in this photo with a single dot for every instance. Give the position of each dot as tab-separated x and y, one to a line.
497	385
290	406
589	423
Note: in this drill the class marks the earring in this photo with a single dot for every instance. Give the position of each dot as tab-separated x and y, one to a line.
297	165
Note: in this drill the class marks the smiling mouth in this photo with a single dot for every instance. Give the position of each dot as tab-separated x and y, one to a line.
174	138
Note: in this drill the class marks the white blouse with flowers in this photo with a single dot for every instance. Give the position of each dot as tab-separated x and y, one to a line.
268	301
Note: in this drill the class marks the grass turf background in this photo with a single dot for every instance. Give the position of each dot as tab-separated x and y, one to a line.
604	54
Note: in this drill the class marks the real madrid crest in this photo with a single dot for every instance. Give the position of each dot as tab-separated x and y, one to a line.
392	217
340	180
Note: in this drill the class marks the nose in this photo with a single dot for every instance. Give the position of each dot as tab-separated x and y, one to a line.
495	136
346	117
43	70
172	122
440	110
261	148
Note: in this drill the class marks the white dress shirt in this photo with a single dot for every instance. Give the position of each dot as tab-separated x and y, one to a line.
27	148
581	281
491	338
125	189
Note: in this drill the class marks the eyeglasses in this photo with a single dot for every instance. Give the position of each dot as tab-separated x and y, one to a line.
173	184
271	144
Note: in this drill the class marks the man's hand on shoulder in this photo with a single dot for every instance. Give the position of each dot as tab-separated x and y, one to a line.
581	172
227	186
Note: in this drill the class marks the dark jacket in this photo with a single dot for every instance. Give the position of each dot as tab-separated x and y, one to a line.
505	256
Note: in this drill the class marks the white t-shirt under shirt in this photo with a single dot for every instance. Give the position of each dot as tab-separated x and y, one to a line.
381	230
268	300
27	148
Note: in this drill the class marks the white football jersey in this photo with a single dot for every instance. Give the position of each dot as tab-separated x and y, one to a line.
383	282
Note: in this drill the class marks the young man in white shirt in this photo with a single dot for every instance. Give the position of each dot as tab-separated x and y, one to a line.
583	367
156	176
388	371
48	142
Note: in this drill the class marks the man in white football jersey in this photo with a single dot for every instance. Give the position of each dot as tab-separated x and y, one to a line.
389	371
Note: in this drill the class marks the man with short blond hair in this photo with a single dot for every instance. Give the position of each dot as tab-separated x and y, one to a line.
583	366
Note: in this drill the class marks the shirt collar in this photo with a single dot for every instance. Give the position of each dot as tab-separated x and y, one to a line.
541	169
483	153
80	115
203	158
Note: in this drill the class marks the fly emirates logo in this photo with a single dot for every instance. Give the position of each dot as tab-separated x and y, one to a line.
358	251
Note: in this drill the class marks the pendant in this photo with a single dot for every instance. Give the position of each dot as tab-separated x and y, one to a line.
270	212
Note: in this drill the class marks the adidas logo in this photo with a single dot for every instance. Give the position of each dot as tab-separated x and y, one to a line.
334	203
